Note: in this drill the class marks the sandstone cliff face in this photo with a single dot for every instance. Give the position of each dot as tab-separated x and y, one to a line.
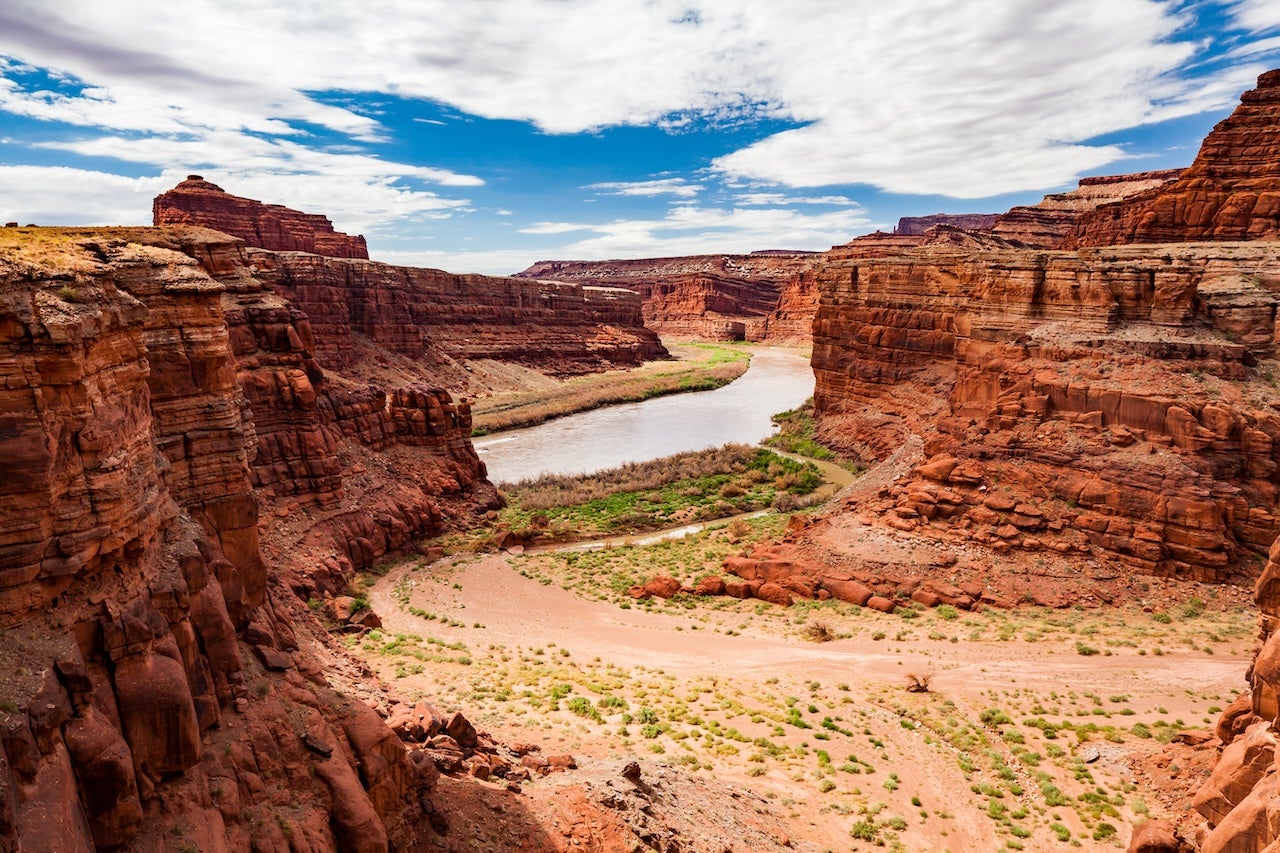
913	225
1238	800
704	305
1113	394
717	297
1230	192
166	688
196	201
791	322
434	316
1047	224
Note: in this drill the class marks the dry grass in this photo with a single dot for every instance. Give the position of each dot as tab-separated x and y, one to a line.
697	367
1002	746
553	490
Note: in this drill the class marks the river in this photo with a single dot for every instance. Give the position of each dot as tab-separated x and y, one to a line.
634	432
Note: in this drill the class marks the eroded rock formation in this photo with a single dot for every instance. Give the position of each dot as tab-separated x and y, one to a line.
1238	800
718	297
1047	224
196	201
1230	192
437	317
164	683
1116	391
910	226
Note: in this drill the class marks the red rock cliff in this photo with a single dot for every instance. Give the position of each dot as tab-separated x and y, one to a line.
164	681
1230	192
720	297
1114	386
1110	405
912	225
1048	223
432	315
196	201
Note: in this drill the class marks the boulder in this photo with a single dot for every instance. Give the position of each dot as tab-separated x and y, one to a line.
774	594
662	586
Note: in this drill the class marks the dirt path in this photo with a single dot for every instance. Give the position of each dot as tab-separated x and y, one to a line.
743	669
516	609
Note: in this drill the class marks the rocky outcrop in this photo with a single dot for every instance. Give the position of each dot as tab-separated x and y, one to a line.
433	317
196	201
1230	192
1108	405
914	225
163	686
1238	799
1047	224
704	305
791	322
718	297
1112	393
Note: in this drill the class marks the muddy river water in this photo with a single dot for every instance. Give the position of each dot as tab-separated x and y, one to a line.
605	438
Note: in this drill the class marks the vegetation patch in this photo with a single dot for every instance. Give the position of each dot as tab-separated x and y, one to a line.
675	490
698	367
796	435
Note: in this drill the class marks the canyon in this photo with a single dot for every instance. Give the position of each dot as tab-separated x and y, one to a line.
1086	391
191	458
211	426
755	297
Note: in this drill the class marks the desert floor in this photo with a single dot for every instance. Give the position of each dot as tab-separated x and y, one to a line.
1040	729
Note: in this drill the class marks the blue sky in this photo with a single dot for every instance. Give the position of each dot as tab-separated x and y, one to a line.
484	135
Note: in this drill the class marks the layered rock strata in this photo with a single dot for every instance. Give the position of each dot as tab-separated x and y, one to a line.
1047	224
165	687
719	297
433	316
910	226
1230	192
1113	395
196	201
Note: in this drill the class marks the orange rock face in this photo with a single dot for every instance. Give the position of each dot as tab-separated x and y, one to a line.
1230	192
155	399
196	201
720	297
1078	377
1238	798
1050	222
435	317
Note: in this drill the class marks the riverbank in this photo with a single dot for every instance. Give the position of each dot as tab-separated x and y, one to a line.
694	367
609	436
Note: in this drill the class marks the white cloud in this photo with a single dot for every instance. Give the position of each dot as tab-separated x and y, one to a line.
966	99
36	194
1256	15
1256	48
767	198
690	229
664	186
934	97
556	227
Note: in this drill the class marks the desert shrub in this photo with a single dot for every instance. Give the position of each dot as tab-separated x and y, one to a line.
864	830
819	631
994	717
582	706
918	682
